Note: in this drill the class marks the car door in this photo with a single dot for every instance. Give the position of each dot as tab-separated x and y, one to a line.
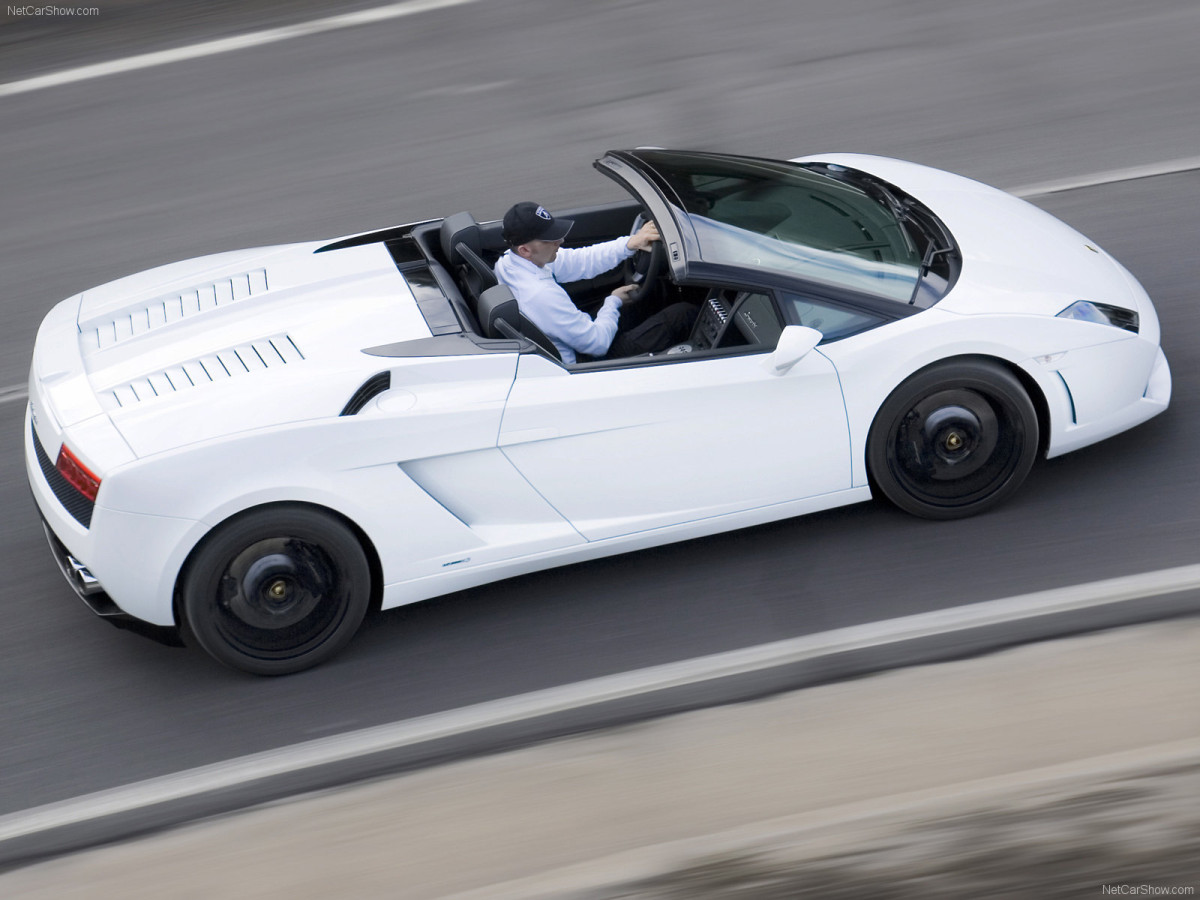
629	448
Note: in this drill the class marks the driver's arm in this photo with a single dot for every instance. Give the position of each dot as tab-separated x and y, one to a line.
553	312
576	263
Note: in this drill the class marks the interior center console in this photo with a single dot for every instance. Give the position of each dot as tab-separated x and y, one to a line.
711	321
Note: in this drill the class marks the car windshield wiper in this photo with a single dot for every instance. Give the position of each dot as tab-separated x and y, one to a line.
938	243
901	209
932	252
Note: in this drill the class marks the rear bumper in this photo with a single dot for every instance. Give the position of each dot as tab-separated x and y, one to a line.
88	588
122	565
82	581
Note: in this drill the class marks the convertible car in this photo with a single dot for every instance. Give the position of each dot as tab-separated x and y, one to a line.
252	449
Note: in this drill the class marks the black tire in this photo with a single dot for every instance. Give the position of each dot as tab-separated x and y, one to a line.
276	590
953	440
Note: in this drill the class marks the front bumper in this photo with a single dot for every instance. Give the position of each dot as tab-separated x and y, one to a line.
1104	399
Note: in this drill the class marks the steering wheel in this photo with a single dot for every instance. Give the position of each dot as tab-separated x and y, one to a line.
645	266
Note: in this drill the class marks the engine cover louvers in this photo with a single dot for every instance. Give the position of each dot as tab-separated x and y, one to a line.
233	362
161	311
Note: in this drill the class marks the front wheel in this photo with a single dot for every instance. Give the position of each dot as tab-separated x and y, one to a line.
276	590
954	440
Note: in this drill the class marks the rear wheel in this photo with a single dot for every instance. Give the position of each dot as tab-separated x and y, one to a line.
953	440
277	590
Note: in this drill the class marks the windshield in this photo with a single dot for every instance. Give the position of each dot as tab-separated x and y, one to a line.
788	218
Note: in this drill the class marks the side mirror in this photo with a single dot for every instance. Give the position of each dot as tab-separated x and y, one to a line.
795	343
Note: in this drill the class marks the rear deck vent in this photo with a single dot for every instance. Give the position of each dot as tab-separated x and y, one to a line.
133	321
372	387
244	359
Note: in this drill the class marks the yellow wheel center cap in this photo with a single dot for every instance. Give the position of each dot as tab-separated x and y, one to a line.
953	440
277	590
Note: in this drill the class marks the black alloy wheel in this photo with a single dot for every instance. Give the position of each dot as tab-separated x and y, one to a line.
276	590
954	440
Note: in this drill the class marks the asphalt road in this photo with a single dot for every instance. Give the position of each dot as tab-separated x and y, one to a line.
500	100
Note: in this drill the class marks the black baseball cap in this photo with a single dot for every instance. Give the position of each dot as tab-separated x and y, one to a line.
527	222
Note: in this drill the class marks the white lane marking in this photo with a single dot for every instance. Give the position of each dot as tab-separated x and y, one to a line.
524	707
462	90
16	392
1112	176
227	45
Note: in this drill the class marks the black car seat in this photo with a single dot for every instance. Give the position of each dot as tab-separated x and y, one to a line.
461	246
500	317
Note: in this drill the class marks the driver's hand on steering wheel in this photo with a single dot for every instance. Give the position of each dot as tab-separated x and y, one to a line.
644	237
623	293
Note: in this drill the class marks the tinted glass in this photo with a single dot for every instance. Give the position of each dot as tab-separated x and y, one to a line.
832	321
784	217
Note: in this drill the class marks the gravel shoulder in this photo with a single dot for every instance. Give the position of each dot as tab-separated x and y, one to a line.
1055	769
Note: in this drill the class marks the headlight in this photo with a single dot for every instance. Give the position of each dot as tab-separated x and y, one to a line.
1101	314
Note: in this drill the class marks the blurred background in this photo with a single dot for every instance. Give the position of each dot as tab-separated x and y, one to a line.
480	104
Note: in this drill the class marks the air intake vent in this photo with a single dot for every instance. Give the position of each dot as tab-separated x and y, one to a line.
372	387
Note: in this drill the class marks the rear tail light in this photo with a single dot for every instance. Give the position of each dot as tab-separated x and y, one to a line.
77	474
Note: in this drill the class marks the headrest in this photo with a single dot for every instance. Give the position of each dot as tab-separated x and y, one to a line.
468	256
459	228
497	304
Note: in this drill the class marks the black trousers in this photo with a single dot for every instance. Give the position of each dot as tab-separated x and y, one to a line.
653	334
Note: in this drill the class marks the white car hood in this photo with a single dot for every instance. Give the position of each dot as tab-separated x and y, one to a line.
241	340
1016	258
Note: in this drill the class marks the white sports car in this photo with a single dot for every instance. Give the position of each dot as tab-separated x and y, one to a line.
253	448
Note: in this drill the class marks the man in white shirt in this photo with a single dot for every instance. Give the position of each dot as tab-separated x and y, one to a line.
535	265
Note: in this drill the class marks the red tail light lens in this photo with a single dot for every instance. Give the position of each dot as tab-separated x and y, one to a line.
77	473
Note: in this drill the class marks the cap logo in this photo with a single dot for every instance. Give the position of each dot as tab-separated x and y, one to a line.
542	214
